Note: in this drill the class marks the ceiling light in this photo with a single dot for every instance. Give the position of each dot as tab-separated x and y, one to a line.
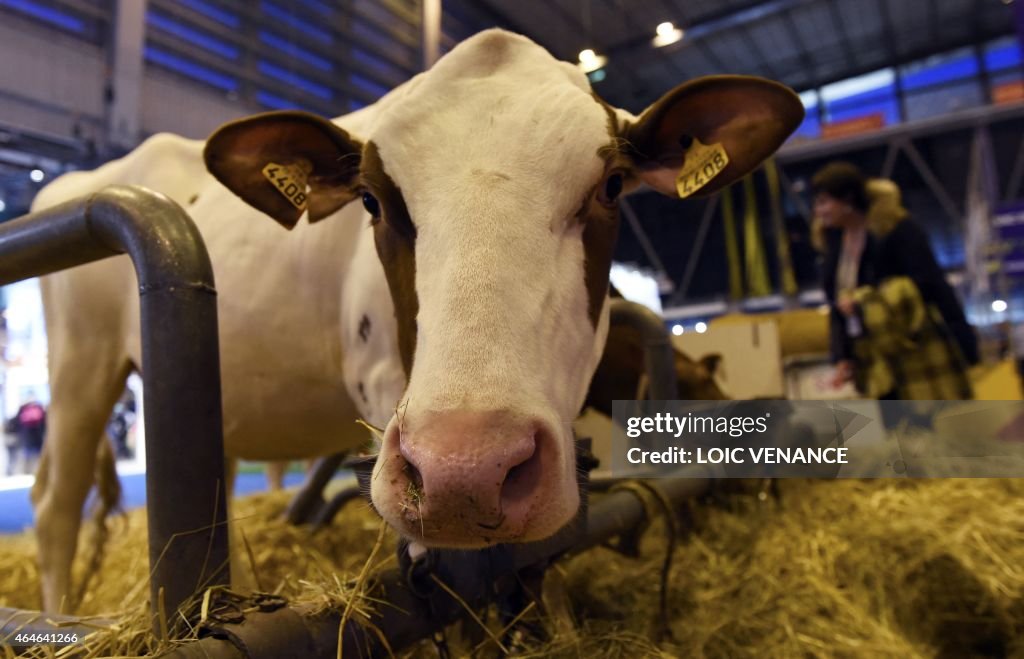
999	306
701	328
591	61
666	33
677	329
37	175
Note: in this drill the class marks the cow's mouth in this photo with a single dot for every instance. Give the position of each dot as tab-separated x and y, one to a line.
474	479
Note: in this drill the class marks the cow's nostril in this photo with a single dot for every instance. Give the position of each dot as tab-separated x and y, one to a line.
522	479
414	489
476	475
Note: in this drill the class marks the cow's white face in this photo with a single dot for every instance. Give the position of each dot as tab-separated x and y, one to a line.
491	181
505	327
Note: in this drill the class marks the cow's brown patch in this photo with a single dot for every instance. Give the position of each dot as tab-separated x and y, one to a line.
601	223
600	232
395	237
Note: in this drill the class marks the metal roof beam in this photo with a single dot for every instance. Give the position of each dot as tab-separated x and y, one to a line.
980	116
718	22
736	17
933	21
703	47
807	62
839	26
759	54
888	33
667	61
614	68
912	56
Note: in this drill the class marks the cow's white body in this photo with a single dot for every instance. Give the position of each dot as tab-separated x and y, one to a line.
290	307
466	319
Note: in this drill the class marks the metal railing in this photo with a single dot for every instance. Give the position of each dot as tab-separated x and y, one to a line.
185	463
188	547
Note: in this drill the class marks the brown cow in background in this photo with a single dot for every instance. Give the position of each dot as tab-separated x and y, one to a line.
619	374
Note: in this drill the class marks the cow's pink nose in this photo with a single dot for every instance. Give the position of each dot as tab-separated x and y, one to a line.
472	474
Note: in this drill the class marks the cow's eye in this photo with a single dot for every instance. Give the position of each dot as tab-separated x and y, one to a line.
371	204
612	189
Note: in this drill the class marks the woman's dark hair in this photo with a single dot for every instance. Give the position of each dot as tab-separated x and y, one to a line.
845	182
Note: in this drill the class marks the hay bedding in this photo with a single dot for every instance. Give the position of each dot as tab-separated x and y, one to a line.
850	568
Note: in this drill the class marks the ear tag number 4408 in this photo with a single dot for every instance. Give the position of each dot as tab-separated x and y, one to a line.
703	163
290	181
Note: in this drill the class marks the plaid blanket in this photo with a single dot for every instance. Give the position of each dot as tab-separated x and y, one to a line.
906	350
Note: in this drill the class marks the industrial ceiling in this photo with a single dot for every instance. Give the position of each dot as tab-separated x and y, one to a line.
802	43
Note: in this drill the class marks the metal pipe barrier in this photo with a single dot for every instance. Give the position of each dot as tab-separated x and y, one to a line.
407	605
327	512
188	548
659	357
187	529
310	500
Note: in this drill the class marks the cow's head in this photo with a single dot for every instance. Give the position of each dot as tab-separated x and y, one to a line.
491	181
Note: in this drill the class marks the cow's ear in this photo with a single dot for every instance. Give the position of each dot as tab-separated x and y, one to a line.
711	362
284	163
708	132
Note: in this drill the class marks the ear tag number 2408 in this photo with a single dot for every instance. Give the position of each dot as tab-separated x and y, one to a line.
703	163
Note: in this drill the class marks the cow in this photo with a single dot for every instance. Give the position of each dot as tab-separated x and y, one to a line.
619	376
620	373
449	285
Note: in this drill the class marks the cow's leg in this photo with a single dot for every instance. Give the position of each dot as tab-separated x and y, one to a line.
241	566
275	474
81	402
42	477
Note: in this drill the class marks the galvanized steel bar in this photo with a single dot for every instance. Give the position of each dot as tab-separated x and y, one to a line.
622	510
401	616
431	24
310	499
188	547
325	515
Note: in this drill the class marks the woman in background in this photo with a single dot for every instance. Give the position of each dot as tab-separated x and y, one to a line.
897	328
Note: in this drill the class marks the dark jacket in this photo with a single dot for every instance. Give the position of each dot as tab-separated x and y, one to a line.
29	423
902	251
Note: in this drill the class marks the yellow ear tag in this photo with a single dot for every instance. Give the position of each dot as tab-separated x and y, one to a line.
290	181
703	163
